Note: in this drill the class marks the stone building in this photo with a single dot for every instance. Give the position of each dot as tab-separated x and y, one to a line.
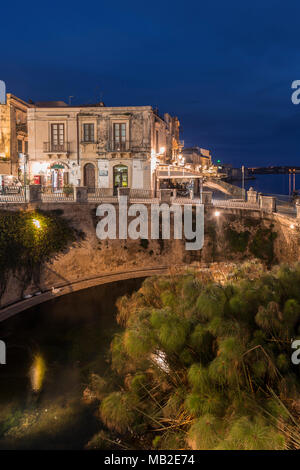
98	146
197	157
13	136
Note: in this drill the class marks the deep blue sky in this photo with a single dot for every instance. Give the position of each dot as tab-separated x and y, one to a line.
225	68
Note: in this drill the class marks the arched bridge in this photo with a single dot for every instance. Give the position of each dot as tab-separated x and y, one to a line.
84	283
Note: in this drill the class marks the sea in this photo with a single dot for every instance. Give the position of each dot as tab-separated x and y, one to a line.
272	184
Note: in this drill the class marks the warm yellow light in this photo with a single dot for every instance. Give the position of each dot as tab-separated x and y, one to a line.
292	226
37	372
38	167
217	213
162	149
36	223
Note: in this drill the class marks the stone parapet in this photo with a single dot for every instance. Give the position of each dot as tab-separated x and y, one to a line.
33	193
80	194
206	197
267	203
252	196
165	195
298	210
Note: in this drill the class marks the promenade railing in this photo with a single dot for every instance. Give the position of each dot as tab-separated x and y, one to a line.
279	203
12	194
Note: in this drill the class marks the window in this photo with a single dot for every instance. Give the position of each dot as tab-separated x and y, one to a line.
88	132
26	147
57	136
119	136
20	146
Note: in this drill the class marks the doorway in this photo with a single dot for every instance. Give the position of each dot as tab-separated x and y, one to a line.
59	175
89	176
120	177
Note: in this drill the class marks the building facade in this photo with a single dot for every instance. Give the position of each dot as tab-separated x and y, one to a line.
13	136
98	146
198	157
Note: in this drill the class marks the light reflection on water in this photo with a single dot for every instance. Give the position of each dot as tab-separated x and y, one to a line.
51	350
37	372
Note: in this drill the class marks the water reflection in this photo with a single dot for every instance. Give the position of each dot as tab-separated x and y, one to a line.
69	336
37	372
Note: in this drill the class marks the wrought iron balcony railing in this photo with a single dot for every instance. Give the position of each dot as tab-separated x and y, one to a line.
57	148
115	146
22	127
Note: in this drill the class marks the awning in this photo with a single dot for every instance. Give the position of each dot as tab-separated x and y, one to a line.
57	166
172	172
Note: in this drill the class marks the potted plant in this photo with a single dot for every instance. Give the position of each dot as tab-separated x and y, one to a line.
68	189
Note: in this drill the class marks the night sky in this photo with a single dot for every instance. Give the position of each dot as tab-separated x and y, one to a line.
225	68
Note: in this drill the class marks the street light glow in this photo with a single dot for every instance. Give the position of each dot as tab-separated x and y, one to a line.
36	223
217	213
292	226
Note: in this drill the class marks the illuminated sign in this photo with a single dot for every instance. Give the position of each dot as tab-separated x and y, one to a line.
2	92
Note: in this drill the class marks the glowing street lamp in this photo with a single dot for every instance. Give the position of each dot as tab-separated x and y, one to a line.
217	213
36	223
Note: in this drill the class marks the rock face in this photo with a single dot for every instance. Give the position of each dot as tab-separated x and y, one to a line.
233	236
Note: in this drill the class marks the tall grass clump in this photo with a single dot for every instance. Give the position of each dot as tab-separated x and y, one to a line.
207	366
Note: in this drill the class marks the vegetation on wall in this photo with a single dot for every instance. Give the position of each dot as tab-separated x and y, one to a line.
211	232
27	239
256	240
205	366
262	245
238	241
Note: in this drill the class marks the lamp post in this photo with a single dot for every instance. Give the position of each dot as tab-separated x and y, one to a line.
243	181
201	190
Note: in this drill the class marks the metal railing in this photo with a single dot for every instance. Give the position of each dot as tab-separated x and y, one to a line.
95	194
141	194
52	194
22	127
115	146
58	148
99	193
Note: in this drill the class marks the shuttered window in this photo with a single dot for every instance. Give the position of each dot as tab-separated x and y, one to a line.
88	132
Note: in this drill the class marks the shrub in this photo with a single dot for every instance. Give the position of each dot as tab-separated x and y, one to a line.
208	366
24	246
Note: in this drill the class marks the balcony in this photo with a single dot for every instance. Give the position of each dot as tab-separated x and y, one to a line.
49	147
21	127
119	146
